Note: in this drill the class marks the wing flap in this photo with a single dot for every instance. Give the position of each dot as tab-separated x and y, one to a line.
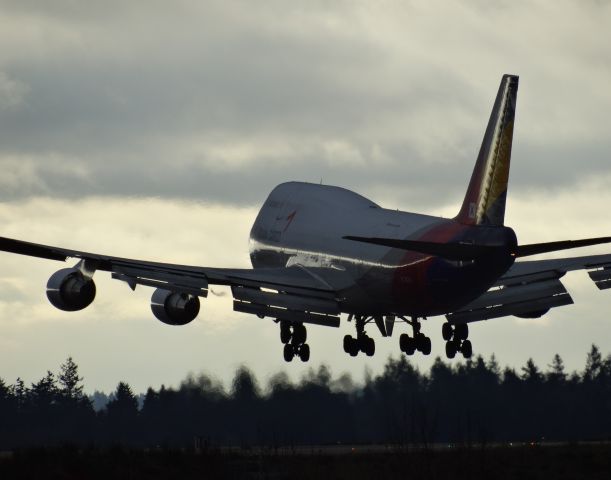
514	300
287	301
181	285
288	315
601	278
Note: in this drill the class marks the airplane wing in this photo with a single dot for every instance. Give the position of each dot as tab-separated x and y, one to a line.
529	289
296	293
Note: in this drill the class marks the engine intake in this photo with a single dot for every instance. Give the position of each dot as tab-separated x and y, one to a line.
69	290
174	308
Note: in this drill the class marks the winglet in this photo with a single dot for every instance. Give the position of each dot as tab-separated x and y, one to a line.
484	203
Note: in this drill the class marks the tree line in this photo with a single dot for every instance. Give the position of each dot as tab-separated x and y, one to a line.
471	401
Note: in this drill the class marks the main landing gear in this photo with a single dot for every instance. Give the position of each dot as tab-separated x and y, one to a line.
362	343
456	339
419	341
294	336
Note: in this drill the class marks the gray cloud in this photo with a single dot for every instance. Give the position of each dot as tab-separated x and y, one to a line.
140	100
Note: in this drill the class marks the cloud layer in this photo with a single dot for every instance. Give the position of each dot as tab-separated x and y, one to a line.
178	100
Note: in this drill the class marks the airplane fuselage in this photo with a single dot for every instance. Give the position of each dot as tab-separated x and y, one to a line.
304	224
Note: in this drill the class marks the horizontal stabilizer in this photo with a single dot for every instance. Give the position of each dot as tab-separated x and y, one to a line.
537	248
469	251
451	251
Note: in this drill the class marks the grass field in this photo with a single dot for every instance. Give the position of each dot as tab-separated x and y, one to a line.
500	462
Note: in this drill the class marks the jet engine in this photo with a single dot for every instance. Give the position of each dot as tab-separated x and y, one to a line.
174	308
69	290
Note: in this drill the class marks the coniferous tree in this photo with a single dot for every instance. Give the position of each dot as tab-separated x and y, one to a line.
8	414
69	381
531	373
556	373
594	364
74	407
122	415
43	394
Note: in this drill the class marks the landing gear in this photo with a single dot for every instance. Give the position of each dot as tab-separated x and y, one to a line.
288	352
419	341
304	352
456	339
294	337
362	343
285	332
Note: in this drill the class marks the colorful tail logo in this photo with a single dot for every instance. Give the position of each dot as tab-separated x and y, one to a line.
484	203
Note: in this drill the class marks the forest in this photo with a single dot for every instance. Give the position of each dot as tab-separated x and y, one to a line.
469	402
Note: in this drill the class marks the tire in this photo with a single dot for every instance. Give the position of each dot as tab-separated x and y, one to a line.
285	332
300	334
304	352
450	349
461	331
347	343
466	349
426	346
362	343
420	342
407	344
354	347
288	352
370	346
447	331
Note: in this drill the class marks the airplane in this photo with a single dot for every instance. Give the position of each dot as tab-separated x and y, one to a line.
320	251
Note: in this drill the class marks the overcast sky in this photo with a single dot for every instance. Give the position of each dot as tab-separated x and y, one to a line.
155	130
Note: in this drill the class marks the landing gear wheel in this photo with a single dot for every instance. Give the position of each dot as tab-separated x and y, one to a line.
447	331
285	332
347	343
304	352
425	345
407	344
450	349
300	333
421	342
461	331
466	349
370	346
288	352
363	343
351	345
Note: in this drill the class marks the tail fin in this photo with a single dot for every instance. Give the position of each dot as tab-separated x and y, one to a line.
484	203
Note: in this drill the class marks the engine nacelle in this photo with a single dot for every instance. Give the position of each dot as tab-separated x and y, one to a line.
69	290
174	308
535	314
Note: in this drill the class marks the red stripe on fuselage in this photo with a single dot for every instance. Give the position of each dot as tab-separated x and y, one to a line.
412	282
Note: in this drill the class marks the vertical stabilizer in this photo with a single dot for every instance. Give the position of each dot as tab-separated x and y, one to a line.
484	202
